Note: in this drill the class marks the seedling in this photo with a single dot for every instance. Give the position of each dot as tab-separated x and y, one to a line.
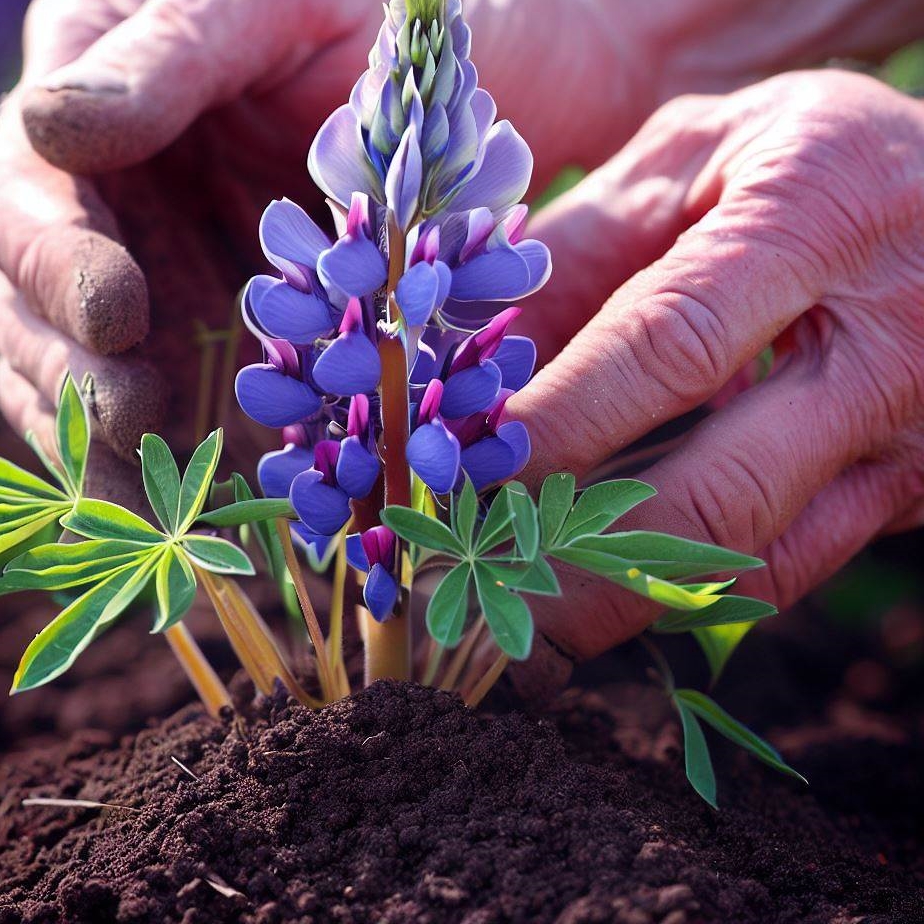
388	363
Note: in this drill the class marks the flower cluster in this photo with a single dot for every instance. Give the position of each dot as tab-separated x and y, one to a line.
417	172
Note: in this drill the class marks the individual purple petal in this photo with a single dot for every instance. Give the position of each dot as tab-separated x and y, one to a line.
516	436
504	175
539	260
488	461
277	470
353	267
433	453
351	364
357	469
283	356
320	544
273	399
435	134
291	241
481	225
356	554
497	275
323	508
515	223
417	293
405	179
444	273
427	246
471	390
338	162
285	313
484	110
380	593
516	359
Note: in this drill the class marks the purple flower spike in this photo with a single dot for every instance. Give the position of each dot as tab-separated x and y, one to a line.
405	174
351	364
272	398
291	241
322	507
277	470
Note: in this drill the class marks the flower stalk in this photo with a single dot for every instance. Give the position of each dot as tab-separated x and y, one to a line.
201	674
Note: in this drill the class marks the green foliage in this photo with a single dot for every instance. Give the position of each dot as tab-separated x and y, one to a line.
121	554
510	555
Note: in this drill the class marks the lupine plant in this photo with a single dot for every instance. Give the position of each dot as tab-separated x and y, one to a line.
388	362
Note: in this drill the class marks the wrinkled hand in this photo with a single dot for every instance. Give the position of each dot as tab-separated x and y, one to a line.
195	113
791	213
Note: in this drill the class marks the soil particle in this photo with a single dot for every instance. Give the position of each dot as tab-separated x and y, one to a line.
399	805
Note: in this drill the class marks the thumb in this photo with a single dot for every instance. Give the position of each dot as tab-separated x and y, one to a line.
140	86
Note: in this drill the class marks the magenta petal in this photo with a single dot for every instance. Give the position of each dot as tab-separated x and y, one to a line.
433	453
285	313
516	359
291	241
323	508
273	399
338	161
349	366
357	469
470	391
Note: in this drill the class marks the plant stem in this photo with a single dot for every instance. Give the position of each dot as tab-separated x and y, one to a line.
211	690
388	648
434	662
463	653
335	638
250	637
325	676
206	381
483	687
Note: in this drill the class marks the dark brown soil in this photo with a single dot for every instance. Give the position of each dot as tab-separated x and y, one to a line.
400	805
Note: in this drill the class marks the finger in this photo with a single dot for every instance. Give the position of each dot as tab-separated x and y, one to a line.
669	339
128	397
144	82
620	218
25	409
59	245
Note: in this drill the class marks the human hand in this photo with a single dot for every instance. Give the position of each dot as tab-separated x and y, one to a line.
799	205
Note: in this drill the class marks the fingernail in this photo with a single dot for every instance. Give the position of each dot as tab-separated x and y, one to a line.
97	84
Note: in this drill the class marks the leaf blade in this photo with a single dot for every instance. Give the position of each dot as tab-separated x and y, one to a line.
175	583
243	512
600	505
72	429
218	555
555	502
448	607
197	479
525	520
95	519
161	480
506	613
422	530
697	761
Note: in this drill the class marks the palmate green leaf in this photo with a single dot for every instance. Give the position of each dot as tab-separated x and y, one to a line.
506	613
525	520
464	512
57	566
161	480
17	483
72	427
555	502
248	511
699	768
600	505
710	711
175	583
536	577
497	528
726	610
57	646
95	519
669	557
448	607
422	530
217	555
198	478
719	644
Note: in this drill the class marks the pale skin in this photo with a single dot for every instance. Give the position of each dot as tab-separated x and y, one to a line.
795	205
